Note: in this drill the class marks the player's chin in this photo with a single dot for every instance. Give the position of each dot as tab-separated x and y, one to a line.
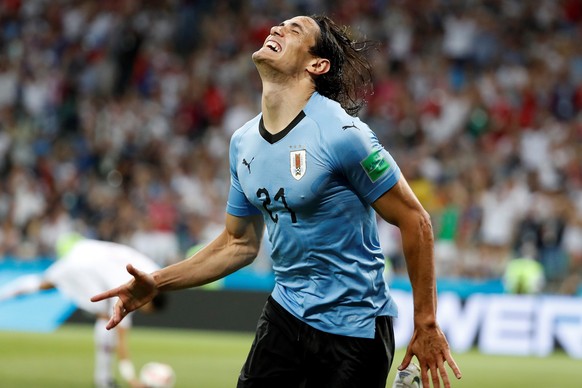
264	54
258	55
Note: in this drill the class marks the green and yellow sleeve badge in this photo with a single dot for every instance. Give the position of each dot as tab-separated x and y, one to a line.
375	165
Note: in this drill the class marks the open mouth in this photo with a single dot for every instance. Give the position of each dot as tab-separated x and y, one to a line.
273	46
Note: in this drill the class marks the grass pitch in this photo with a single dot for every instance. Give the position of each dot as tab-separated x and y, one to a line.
201	359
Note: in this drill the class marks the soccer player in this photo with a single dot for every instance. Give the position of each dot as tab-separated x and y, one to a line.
314	173
86	267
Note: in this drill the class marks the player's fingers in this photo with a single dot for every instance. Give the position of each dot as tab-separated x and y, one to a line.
424	370
406	360
111	323
453	365
132	270
135	272
119	312
105	295
444	375
434	375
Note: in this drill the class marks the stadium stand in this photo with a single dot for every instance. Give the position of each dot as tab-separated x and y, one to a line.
115	118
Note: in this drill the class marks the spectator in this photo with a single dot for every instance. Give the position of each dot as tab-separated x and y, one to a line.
524	274
469	94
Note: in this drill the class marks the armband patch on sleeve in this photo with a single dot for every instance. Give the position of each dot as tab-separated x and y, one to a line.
375	165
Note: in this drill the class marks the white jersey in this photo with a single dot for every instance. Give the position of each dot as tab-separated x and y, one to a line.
92	267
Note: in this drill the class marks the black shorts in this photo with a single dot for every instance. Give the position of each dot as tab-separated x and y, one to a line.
287	353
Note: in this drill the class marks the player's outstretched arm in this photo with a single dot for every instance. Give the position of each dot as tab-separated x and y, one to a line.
400	207
234	248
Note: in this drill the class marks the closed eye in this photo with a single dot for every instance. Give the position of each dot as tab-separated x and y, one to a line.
296	28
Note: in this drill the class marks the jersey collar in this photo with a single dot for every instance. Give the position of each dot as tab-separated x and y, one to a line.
279	135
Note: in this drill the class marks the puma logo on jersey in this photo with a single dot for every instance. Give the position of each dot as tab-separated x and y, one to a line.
248	164
350	126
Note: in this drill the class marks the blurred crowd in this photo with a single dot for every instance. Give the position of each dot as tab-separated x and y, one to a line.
115	118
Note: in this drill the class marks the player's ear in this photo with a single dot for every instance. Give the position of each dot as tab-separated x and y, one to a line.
318	66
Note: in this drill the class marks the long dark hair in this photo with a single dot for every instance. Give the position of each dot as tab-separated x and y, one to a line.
349	78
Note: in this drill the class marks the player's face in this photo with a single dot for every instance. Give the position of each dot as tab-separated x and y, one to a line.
286	49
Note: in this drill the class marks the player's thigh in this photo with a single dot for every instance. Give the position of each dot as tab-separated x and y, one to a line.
274	359
355	362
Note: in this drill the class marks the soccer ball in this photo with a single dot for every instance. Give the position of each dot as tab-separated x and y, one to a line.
408	378
157	375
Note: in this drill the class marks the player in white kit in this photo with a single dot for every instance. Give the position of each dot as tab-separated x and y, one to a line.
86	267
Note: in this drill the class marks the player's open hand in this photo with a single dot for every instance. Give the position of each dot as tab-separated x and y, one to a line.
431	348
132	295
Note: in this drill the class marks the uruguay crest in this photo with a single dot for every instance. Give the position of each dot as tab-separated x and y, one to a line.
297	159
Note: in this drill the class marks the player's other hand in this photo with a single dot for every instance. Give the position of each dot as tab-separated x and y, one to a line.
132	295
431	348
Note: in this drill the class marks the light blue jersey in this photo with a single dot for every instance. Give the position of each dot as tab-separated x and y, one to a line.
314	183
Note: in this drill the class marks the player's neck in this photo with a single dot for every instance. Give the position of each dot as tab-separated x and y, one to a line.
281	103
